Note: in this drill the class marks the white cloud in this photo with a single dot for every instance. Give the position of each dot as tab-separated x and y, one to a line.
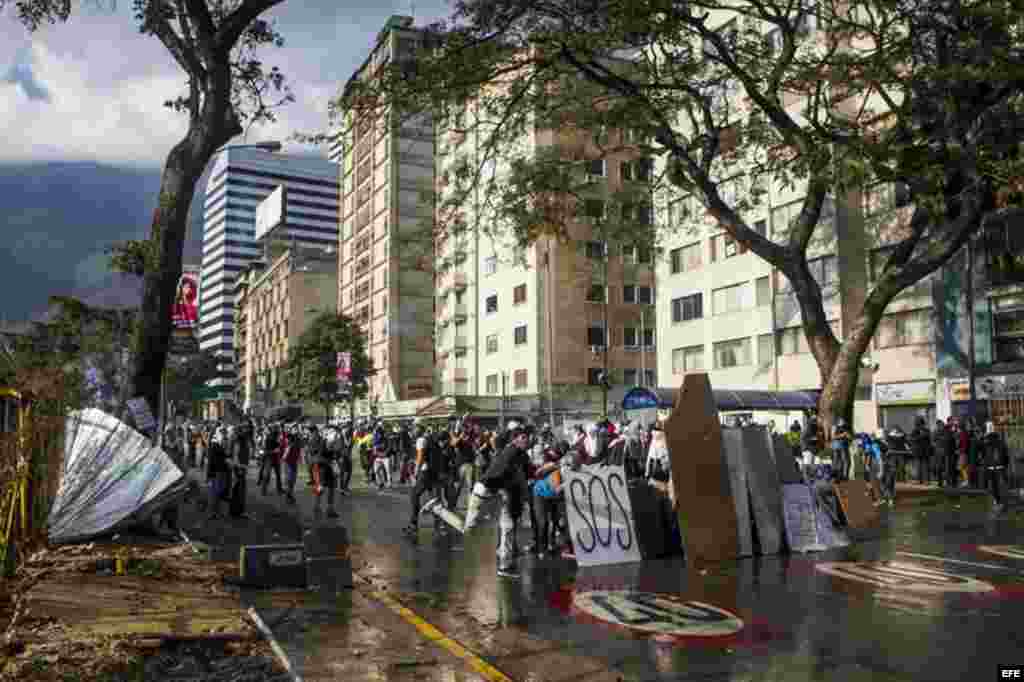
108	82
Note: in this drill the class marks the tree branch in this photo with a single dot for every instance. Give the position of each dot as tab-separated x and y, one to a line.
234	24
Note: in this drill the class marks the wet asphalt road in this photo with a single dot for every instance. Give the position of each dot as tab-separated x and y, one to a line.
798	622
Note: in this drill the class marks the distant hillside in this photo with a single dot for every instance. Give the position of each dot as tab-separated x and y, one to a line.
57	220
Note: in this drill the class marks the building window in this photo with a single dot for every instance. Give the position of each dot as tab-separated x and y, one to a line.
734	353
765	351
596	168
519	378
637	255
688	359
792	341
594	376
491	304
910	327
761	227
596	293
639	170
519	335
633	377
728	299
596	250
595	336
631	337
490	265
632	293
723	246
519	294
685	258
492	384
763	288
688	308
492	344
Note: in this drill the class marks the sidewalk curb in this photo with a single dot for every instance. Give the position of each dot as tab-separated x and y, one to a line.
282	657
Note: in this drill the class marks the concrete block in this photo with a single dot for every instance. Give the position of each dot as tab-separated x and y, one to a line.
273	565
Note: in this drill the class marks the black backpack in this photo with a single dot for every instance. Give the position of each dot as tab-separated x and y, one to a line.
436	459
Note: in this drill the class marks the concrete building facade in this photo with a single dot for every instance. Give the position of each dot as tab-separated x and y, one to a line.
728	313
239	180
275	303
385	259
535	327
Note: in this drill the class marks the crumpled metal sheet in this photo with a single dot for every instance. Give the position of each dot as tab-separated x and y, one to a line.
112	478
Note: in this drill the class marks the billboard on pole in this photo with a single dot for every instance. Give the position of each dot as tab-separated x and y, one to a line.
344	369
270	212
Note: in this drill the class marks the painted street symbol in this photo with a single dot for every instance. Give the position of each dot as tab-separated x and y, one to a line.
903	576
659	614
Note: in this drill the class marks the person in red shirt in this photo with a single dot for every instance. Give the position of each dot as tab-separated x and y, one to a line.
292	449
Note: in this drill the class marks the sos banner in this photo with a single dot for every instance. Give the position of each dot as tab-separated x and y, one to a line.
601	516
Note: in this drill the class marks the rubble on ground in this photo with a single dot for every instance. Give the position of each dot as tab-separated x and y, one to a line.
37	646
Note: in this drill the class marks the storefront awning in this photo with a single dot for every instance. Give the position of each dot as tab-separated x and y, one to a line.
730	401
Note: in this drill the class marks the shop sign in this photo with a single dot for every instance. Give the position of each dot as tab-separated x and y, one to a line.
905	393
987	387
902	576
659	614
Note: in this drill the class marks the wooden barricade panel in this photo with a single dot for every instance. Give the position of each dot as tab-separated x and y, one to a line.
700	476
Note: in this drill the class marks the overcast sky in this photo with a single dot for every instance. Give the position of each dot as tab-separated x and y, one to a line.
91	91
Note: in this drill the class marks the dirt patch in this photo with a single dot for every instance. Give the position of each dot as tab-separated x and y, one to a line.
121	612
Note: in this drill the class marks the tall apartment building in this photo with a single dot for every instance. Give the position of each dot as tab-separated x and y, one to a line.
541	325
276	300
239	180
385	261
728	313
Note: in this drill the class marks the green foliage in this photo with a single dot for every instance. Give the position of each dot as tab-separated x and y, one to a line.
133	256
310	373
819	98
186	373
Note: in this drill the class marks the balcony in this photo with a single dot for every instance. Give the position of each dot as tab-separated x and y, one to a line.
460	252
443	314
461	345
460	311
458	374
460	281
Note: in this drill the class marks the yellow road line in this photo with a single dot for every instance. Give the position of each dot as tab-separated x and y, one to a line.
488	671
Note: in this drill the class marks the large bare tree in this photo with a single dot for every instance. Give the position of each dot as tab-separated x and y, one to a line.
215	43
822	97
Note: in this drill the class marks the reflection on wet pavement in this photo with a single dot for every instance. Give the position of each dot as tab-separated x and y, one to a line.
800	623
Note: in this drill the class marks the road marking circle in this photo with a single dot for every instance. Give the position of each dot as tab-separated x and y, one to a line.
901	575
1008	551
655	613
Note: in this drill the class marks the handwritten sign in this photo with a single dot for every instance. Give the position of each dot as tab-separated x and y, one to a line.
601	516
144	419
798	515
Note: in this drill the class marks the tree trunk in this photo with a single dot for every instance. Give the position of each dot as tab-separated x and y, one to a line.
839	381
184	166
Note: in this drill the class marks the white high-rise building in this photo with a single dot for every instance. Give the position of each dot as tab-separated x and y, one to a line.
239	181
